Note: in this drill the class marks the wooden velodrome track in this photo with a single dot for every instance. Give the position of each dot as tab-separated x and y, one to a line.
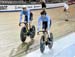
10	44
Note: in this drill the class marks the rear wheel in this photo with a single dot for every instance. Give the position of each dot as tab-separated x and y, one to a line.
42	45
22	34
32	32
50	41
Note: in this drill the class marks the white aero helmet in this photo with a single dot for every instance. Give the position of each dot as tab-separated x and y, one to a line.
24	6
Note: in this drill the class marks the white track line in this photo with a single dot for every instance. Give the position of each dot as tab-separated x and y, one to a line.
58	46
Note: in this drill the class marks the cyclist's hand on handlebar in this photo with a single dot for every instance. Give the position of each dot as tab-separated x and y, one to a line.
19	24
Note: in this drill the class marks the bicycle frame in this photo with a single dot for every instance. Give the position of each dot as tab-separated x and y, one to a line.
26	25
45	34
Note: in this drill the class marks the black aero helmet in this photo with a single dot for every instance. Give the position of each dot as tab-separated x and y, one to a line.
43	12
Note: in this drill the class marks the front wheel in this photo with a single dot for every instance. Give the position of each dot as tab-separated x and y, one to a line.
22	34
50	41
42	45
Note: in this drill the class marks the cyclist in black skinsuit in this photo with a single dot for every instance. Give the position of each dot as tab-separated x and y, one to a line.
43	4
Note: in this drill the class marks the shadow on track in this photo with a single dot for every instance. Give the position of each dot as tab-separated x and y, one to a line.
21	50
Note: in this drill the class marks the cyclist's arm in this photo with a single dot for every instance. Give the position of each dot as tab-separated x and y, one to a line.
48	26
21	13
28	15
39	23
48	23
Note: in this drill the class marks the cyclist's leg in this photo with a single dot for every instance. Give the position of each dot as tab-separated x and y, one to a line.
50	27
44	24
50	23
31	16
30	26
66	14
30	23
26	22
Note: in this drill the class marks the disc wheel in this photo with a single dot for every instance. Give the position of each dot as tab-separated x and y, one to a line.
42	45
32	32
50	41
22	34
